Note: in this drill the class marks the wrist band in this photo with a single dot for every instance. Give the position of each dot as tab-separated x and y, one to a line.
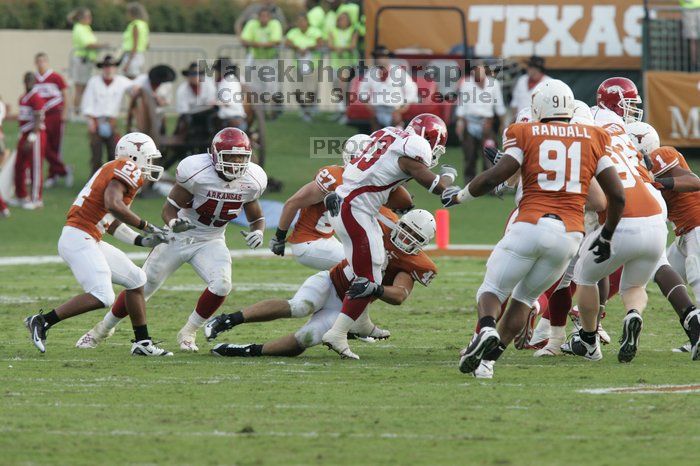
280	234
125	234
436	181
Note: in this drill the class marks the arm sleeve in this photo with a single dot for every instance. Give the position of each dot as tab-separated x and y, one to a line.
511	144
663	159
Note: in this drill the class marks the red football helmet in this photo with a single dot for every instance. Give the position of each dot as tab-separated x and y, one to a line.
622	97
230	153
434	130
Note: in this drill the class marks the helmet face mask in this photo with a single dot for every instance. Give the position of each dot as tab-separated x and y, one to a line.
140	149
621	96
231	152
413	231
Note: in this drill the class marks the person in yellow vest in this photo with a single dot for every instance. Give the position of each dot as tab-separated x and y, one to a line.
331	16
85	48
315	14
305	41
262	36
342	42
135	40
691	29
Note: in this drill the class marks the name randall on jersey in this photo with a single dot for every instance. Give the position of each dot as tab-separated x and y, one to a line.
568	131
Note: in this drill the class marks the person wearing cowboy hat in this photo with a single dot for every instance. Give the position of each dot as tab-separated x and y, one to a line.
525	85
197	93
101	104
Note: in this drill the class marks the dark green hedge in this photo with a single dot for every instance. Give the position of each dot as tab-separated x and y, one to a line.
201	16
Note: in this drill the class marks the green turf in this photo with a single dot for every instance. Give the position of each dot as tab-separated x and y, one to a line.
289	160
405	402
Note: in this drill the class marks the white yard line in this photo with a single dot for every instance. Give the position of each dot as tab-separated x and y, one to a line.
235	253
644	390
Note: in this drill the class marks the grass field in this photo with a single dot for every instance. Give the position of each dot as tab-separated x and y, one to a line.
404	402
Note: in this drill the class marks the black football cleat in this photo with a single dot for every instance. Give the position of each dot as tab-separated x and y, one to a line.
484	342
36	325
217	325
231	350
577	347
629	342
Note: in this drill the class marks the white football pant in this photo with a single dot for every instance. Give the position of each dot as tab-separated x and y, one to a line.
321	254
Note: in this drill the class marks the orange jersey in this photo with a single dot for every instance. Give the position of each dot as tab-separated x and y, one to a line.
683	208
622	144
557	163
419	266
88	212
312	224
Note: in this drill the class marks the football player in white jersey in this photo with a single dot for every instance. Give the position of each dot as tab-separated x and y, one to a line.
394	157
211	190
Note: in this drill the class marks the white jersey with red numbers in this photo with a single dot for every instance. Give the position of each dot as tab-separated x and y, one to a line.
369	178
50	86
216	201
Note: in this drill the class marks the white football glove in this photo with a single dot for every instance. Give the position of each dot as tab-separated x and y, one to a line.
179	225
151	240
253	239
448	171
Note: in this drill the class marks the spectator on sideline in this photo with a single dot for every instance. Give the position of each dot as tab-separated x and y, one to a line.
388	89
4	211
262	36
101	103
522	91
480	102
342	42
305	41
30	147
315	13
229	96
196	94
156	89
329	20
252	11
135	40
691	29
53	89
85	47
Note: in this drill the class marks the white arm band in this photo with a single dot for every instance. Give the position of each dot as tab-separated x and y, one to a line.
464	195
434	183
173	203
125	234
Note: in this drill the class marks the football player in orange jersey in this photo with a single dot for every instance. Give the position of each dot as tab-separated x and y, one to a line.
557	161
679	187
322	294
104	205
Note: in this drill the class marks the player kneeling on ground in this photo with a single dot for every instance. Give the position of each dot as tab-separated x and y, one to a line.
103	205
322	294
211	190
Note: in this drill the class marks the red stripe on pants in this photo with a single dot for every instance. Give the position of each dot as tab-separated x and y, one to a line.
54	139
361	260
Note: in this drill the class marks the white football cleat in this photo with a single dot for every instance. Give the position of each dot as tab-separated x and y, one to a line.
94	336
549	351
540	337
682	349
186	340
148	348
485	370
339	344
604	335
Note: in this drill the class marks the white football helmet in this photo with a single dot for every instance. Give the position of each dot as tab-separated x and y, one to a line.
582	113
413	231
552	99
354	146
643	136
141	149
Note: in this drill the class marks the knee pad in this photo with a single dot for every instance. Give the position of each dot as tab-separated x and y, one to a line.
301	308
484	288
136	280
220	286
309	335
105	295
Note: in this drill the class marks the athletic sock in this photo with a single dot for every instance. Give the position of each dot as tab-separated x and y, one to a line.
119	306
487	321
693	325
495	353
588	337
51	319
208	304
141	332
342	325
354	308
110	321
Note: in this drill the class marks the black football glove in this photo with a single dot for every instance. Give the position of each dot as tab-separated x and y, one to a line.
492	154
278	241
361	288
332	202
601	247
